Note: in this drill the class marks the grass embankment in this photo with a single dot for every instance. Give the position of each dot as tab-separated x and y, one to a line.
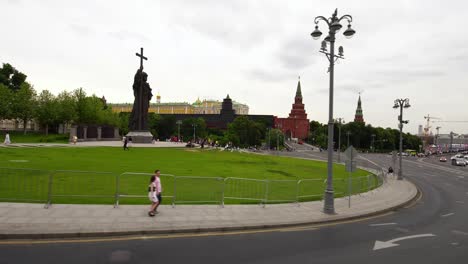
34	137
33	185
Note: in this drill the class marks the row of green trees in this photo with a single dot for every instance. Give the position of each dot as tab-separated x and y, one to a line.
20	101
242	132
363	137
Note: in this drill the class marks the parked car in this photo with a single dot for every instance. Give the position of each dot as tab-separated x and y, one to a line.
443	159
459	162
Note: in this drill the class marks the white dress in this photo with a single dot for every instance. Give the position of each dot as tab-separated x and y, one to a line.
7	139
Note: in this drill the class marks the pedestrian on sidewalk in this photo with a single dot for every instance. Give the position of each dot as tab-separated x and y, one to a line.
390	171
158	190
152	195
7	139
125	144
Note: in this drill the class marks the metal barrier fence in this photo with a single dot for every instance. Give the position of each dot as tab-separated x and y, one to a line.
204	189
24	185
131	185
244	189
64	186
309	184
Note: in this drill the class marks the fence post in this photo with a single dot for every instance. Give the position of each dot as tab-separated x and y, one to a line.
222	193
117	191
222	187
368	182
297	193
175	192
49	191
267	182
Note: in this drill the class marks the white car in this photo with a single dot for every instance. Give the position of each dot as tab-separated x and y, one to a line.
459	162
458	156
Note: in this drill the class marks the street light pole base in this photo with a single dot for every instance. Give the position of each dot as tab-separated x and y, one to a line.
328	203
400	175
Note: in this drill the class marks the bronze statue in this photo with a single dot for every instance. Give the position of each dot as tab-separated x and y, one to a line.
143	95
142	92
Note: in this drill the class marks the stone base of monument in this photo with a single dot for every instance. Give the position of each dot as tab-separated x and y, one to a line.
140	136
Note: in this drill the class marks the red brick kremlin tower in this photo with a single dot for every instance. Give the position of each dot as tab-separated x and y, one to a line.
297	124
358	118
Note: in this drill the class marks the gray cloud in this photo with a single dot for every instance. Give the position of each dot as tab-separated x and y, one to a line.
408	74
124	35
296	54
268	76
80	29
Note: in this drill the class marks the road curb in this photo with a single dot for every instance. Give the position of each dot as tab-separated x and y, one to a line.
78	235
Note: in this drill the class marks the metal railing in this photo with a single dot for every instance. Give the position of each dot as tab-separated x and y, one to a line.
65	186
129	185
24	185
244	189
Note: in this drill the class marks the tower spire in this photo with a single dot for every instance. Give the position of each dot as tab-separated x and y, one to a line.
298	91
359	117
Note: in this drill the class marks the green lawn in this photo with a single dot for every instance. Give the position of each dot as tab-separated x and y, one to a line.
95	172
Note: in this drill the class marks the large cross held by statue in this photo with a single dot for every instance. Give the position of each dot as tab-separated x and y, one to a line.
141	88
141	58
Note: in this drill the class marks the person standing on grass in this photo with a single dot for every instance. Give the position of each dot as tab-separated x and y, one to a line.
158	189
152	195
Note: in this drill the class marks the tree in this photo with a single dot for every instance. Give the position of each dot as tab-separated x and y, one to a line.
275	138
5	102
23	104
47	110
247	132
11	77
187	128
67	108
80	99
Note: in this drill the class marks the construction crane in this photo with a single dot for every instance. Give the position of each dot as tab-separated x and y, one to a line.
428	124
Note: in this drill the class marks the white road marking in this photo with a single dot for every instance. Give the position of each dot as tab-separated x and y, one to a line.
445	215
460	202
387	244
383	224
403	230
458	232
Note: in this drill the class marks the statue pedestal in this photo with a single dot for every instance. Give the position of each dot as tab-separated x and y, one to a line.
140	136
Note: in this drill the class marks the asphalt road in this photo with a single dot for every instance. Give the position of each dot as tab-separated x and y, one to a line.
432	230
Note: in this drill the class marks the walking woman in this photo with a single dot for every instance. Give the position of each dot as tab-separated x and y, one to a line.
152	195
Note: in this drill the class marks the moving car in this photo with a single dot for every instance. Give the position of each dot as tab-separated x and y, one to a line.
457	156
459	162
443	159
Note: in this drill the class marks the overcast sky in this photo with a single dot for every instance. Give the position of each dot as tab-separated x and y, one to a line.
252	50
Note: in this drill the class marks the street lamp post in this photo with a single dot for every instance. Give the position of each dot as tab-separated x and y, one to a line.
451	142
400	103
348	133
372	144
194	125
178	122
334	26
340	121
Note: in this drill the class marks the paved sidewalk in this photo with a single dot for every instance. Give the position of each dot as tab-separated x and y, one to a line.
60	221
